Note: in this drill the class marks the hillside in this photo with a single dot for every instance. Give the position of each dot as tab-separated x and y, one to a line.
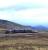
11	25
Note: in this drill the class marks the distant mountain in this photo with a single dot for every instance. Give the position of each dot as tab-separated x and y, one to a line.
40	28
11	25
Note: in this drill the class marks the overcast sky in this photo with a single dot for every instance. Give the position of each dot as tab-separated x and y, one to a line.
26	12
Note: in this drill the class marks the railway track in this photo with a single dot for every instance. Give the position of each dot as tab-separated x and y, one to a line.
16	34
25	34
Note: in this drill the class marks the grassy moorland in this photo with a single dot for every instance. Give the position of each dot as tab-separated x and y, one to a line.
36	42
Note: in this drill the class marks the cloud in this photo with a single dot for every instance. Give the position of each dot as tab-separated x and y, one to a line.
32	1
33	16
27	6
7	15
7	3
